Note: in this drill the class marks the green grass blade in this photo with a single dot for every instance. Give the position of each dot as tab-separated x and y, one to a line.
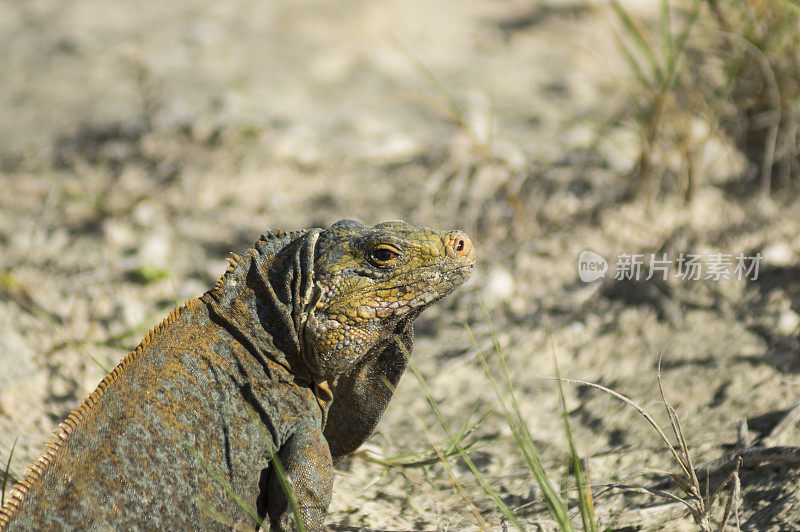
585	502
95	360
287	491
454	110
429	456
556	506
633	64
467	427
666	39
504	508
224	484
519	429
793	3
5	473
638	38
679	45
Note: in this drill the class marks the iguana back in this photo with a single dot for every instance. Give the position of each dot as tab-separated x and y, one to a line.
292	356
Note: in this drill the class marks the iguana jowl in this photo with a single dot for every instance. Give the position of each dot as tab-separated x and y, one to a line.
294	353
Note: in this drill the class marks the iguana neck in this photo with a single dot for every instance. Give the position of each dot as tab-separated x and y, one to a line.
263	296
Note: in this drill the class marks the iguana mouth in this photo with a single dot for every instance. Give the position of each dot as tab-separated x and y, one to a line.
457	271
445	274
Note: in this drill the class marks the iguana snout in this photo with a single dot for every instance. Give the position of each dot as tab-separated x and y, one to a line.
458	245
371	278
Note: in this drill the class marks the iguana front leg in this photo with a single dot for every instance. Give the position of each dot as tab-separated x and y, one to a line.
308	472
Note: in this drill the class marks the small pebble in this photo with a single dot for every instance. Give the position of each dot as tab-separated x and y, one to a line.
499	287
778	254
788	323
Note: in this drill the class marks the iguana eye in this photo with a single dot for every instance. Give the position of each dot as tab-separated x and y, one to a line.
383	255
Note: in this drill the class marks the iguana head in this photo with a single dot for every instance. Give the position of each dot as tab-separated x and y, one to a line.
373	281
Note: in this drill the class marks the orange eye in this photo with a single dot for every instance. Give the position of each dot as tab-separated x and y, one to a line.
383	255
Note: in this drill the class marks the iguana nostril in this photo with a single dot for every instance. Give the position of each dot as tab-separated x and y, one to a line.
458	245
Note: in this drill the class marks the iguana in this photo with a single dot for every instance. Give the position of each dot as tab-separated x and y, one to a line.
286	365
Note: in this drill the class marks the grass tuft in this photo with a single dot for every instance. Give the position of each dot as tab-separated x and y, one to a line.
732	65
507	512
556	504
697	498
522	436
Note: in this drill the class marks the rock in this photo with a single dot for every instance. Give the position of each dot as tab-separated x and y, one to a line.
778	254
788	323
499	288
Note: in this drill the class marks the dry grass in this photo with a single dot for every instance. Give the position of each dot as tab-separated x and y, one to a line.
697	499
713	70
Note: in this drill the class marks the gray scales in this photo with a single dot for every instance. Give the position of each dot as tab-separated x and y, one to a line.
294	353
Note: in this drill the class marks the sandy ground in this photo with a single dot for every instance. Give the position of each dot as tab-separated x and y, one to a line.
143	142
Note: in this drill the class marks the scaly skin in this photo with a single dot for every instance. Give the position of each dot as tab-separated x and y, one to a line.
294	354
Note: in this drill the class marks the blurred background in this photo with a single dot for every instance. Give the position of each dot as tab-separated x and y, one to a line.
140	143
